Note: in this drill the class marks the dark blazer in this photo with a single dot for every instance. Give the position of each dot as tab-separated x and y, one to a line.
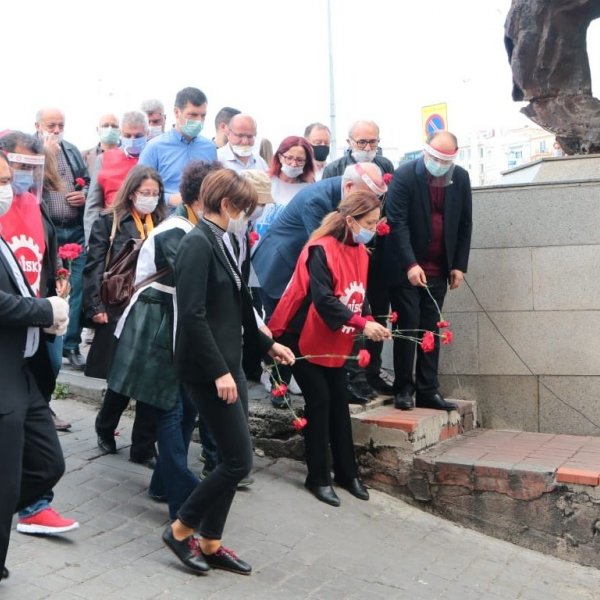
407	207
337	167
275	257
16	315
211	311
78	167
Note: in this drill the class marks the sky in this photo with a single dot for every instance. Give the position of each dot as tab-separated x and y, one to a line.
269	58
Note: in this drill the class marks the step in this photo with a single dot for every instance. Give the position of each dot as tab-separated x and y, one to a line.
412	430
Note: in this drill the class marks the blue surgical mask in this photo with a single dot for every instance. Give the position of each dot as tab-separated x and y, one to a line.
436	168
22	181
133	146
364	236
192	128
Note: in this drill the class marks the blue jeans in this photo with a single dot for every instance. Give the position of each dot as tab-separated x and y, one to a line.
74	235
172	477
55	349
39	505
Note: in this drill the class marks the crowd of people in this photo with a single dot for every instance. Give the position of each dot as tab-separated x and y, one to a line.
275	266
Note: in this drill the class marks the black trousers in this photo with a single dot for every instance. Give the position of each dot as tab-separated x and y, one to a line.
328	431
32	459
416	310
143	434
207	507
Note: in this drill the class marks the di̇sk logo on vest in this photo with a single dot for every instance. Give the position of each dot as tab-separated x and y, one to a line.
353	298
29	258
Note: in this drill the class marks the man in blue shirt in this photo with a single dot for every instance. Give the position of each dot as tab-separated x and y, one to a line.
170	152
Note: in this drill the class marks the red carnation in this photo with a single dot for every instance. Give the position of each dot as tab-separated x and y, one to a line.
70	251
383	228
447	337
387	178
442	324
280	390
299	423
253	237
428	342
79	184
364	358
62	274
393	317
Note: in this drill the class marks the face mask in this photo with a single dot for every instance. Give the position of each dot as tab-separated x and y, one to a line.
109	135
57	137
242	150
364	236
292	172
145	204
435	168
133	146
237	226
257	214
6	198
192	128
363	155
321	153
154	131
22	181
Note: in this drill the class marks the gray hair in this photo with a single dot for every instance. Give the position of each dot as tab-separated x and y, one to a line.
152	106
135	118
350	174
371	123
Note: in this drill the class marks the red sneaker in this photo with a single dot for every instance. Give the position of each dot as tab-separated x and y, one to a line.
46	521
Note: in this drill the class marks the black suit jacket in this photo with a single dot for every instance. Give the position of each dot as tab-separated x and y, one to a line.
408	211
16	315
211	311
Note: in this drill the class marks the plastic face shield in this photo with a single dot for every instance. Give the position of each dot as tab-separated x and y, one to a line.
440	165
379	190
27	174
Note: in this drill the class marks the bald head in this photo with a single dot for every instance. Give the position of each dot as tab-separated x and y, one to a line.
241	135
50	120
108	120
444	141
242	120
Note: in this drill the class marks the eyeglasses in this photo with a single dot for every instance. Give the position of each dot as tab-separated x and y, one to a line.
362	144
242	136
290	160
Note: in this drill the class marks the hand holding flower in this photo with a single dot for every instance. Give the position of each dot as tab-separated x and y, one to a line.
376	332
417	276
282	354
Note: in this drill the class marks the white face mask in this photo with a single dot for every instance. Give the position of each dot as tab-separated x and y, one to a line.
154	131
292	172
237	226
363	155
242	150
6	198
57	137
145	204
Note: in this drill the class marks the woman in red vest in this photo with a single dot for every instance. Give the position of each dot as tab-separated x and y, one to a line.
320	312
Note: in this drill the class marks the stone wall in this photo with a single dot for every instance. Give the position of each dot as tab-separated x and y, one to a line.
527	325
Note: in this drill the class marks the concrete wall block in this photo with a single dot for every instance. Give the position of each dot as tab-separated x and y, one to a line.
547	215
496	357
566	278
503	402
462	355
565	402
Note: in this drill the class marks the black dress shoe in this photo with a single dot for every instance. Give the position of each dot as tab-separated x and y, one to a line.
75	358
379	385
356	487
436	401
226	559
366	390
357	396
187	551
5	573
324	493
403	401
146	462
107	445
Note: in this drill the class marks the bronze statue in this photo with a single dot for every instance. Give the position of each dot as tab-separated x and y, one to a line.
546	45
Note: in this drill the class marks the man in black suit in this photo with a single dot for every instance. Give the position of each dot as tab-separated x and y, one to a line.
428	209
32	460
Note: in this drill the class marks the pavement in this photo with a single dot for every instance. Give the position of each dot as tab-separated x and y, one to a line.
298	547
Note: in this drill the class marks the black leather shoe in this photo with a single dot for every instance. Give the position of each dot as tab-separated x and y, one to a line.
436	401
107	445
366	390
356	395
75	358
356	487
324	493
187	551
380	386
403	401
147	462
5	573
226	559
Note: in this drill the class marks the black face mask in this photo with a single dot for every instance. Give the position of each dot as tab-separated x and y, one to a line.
321	153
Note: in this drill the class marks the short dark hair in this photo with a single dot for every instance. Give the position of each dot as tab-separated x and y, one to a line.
12	139
225	115
192	177
192	95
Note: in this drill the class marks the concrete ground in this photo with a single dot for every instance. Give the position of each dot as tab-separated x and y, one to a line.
299	547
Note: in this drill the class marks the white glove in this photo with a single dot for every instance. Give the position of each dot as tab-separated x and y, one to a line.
60	316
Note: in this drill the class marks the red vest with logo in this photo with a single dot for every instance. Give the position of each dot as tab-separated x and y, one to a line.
348	266
23	231
115	166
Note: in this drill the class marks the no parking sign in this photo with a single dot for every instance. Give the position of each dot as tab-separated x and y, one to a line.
434	118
